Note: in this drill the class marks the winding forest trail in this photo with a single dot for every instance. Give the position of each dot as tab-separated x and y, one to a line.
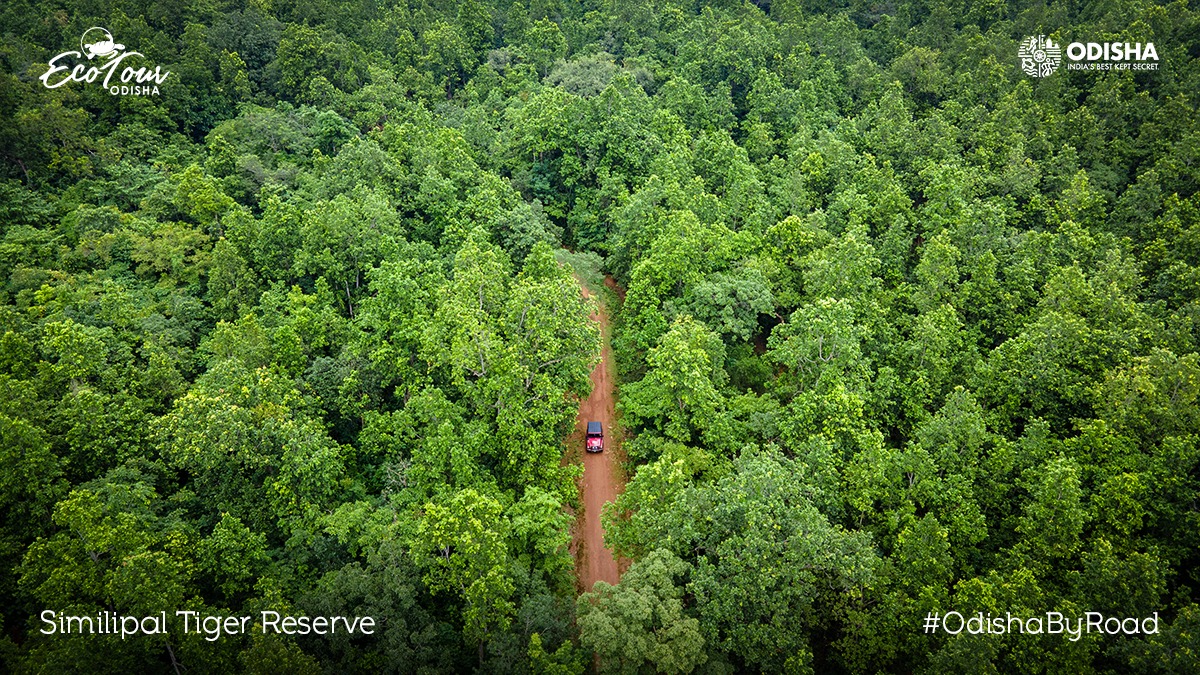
602	477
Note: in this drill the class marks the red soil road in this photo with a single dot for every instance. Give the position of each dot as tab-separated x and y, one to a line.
602	479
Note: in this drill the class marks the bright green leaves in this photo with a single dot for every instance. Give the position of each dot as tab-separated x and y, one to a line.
937	273
345	237
487	370
80	352
32	470
1170	247
941	352
449	55
758	555
252	448
541	532
461	542
641	518
29	484
641	622
544	45
232	284
428	445
1130	581
767	556
956	437
288	329
523	227
566	660
174	252
820	345
112	551
1153	397
545	135
330	325
101	430
249	343
683	252
200	198
845	268
271	242
551	352
730	304
233	556
395	316
679	396
1054	517
307	56
939	473
1086	325
464	335
923	557
790	241
518	353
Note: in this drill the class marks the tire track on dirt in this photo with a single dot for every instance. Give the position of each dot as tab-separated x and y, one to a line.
602	478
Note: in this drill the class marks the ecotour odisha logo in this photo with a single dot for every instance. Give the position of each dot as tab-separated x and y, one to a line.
97	42
1040	56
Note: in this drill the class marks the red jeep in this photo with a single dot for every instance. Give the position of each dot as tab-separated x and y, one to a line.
595	437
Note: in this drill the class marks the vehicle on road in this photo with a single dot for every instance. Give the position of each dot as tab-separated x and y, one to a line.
595	437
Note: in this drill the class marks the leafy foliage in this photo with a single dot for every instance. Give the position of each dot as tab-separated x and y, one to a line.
905	331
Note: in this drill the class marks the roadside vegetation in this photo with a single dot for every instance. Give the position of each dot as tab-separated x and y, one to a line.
905	330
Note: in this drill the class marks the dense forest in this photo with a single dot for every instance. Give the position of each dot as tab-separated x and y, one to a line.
903	330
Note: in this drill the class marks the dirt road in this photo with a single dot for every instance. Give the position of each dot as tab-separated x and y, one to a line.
602	479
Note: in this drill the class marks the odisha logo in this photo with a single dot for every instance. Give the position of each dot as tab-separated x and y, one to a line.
1039	56
98	42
